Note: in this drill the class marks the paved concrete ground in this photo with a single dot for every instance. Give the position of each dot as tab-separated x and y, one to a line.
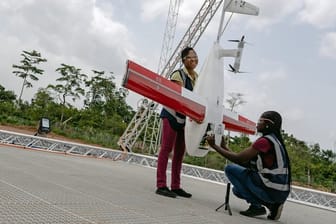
44	187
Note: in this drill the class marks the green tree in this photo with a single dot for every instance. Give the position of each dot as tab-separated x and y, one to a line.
43	105
7	104
71	82
328	156
105	97
42	98
28	70
6	95
101	89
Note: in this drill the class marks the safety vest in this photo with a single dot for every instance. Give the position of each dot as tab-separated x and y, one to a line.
177	120
276	177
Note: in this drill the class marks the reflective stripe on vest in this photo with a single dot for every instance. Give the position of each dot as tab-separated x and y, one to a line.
279	173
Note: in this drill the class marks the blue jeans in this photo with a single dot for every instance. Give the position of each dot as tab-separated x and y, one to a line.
245	186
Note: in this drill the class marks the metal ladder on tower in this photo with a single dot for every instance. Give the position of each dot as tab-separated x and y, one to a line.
146	109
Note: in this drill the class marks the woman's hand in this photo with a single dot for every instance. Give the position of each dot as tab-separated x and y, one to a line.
223	143
211	140
198	122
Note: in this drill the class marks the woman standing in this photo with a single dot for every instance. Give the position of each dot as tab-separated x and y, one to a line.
173	131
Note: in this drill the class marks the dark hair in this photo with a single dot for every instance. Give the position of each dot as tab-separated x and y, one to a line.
185	52
274	122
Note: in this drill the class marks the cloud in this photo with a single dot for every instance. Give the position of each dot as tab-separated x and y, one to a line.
294	114
74	32
328	45
188	11
319	14
151	9
108	33
271	12
77	30
275	76
304	11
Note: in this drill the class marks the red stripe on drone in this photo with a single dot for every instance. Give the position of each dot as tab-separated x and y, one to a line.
241	125
161	90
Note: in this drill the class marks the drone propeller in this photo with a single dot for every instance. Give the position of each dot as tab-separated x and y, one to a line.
241	40
232	69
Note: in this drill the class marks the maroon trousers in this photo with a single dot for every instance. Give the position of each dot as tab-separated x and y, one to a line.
171	139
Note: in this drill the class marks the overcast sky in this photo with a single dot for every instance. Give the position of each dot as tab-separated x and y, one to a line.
291	58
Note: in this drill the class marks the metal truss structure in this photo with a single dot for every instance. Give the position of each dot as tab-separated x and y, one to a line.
169	34
143	119
302	195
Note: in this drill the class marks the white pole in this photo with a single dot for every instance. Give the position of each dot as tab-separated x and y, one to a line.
220	28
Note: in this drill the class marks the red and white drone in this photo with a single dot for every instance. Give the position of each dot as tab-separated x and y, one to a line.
204	105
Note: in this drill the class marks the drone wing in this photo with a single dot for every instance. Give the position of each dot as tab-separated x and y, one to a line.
238	123
163	91
242	7
159	89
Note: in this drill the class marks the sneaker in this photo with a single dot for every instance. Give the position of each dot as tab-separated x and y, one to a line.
275	211
182	193
254	211
165	192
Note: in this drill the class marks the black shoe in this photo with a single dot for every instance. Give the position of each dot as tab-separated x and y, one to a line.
275	211
165	192
254	211
182	193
